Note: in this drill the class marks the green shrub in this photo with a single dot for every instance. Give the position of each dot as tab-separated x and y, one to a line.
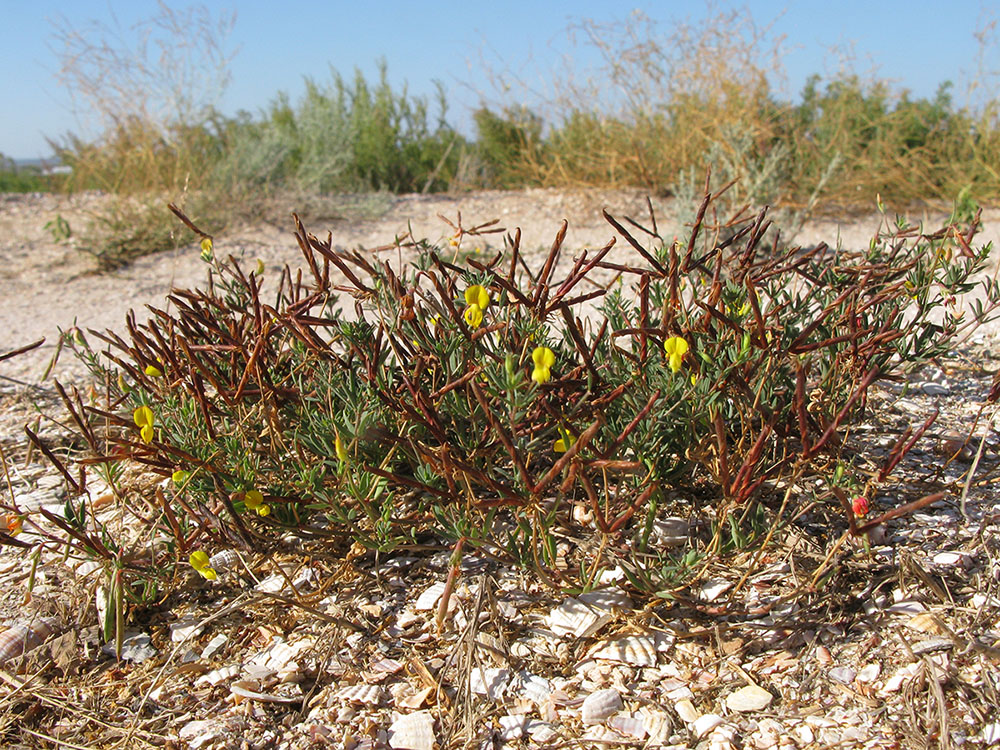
483	407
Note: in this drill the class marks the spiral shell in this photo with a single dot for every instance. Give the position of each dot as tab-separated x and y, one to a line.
23	636
224	561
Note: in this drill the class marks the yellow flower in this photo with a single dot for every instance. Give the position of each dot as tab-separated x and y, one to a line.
676	348
340	449
543	358
206	249
14	524
474	316
143	418
255	501
564	442
477	295
260	267
199	561
180	477
153	371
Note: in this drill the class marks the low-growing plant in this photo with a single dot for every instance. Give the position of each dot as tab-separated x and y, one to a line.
549	414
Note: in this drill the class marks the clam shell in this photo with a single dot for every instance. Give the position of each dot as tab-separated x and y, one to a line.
575	618
24	636
599	705
250	689
629	725
412	732
534	688
634	650
369	695
429	598
491	681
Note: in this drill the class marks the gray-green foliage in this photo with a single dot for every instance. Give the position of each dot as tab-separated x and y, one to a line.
344	137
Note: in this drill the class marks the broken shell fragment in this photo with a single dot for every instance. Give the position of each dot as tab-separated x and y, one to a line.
24	636
369	695
412	732
577	619
634	650
600	705
250	689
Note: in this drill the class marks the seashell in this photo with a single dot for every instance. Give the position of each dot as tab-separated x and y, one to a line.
574	617
634	650
513	726
369	695
491	682
250	689
226	560
389	666
412	732
599	705
534	688
429	598
712	589
25	636
628	725
613	599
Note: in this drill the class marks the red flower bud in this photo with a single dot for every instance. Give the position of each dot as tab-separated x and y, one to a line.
859	505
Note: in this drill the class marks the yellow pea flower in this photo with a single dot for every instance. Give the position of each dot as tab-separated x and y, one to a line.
676	348
474	316
254	500
199	561
477	295
153	371
180	477
543	358
565	441
143	418
341	451
206	249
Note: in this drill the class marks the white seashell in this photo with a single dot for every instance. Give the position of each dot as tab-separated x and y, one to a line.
628	725
491	681
429	598
705	724
671	532
599	705
749	698
634	650
388	666
226	560
369	695
513	726
712	589
250	689
186	627
412	732
574	617
534	688
25	636
613	599
279	583
218	675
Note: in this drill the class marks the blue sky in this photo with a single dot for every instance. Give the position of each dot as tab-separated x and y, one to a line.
914	45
